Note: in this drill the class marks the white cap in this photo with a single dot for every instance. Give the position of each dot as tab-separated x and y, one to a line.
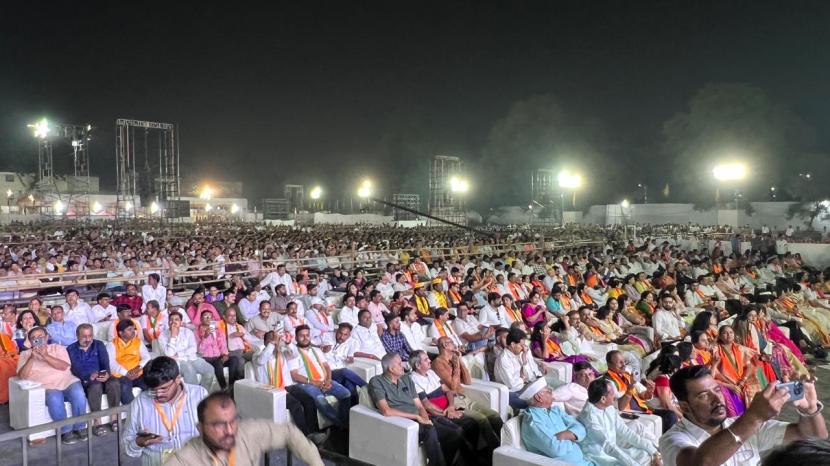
533	389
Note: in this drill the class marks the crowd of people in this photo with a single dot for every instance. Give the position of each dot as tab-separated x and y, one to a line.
699	337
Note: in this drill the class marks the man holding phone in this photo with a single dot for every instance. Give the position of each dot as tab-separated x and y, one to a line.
90	363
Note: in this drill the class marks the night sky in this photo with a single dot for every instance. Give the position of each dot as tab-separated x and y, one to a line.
312	91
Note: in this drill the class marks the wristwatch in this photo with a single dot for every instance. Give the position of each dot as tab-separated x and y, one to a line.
737	439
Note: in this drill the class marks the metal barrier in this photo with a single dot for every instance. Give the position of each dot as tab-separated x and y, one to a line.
22	434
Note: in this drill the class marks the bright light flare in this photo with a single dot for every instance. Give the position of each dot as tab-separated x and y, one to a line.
625	204
128	206
59	206
154	208
208	207
459	185
234	209
316	192
9	193
568	180
96	207
365	189
41	128
206	193
731	171
31	198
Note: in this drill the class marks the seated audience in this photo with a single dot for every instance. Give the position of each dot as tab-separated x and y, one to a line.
392	338
8	365
549	431
127	359
90	363
61	330
179	342
516	368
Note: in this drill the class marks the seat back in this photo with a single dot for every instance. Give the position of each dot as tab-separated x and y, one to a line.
511	433
364	399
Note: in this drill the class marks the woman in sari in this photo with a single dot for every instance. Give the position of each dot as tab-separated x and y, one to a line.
631	315
734	365
533	312
8	365
702	355
629	287
613	332
769	367
545	346
781	345
790	303
706	321
646	306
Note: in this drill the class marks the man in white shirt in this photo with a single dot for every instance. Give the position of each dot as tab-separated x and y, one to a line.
609	441
179	343
76	310
668	325
412	330
386	288
349	312
401	284
154	291
249	306
575	394
320	322
490	316
279	277
469	329
706	436
263	322
516	368
367	336
341	354
103	311
441	328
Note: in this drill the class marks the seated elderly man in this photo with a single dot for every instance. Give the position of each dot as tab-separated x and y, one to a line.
439	401
549	431
706	435
179	343
516	368
609	440
395	394
91	365
575	394
469	329
127	359
319	319
263	322
49	365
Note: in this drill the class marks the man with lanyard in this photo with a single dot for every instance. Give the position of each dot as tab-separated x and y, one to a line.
219	426
312	374
706	435
163	418
153	322
237	344
631	394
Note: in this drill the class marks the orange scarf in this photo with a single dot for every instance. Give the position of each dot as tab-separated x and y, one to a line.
236	328
704	357
516	295
152	324
442	328
622	385
456	297
310	368
734	370
586	299
553	347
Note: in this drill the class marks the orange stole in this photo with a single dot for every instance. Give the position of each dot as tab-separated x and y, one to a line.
236	328
622	385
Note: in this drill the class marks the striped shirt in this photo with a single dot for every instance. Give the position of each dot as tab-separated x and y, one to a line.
144	418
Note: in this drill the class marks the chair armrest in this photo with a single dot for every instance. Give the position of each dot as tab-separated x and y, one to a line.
647	425
647	333
484	395
504	396
378	439
258	401
511	456
22	395
364	371
374	364
431	349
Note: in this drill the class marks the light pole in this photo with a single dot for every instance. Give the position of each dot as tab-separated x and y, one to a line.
315	194
645	192
364	191
567	181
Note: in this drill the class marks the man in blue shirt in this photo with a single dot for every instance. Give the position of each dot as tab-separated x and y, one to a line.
90	363
61	330
547	430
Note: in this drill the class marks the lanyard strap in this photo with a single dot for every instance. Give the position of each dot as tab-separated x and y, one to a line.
216	462
169	426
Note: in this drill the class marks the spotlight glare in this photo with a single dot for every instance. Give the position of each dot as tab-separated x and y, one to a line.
41	128
59	206
625	204
234	209
365	189
730	171
9	193
568	180
96	207
316	192
459	185
154	207
208	207
206	193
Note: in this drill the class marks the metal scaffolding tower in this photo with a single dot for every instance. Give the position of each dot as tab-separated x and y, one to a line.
443	202
295	193
542	186
159	181
410	201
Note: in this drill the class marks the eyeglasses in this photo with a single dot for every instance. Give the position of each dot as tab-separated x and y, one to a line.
163	389
223	425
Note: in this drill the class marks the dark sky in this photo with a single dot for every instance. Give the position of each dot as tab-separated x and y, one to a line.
288	92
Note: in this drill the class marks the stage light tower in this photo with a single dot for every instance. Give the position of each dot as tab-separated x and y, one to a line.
567	181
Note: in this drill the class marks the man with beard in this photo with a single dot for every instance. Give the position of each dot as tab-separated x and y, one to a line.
220	427
312	373
706	436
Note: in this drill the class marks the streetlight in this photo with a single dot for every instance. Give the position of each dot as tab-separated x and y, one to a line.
365	189
730	171
625	204
234	209
59	206
316	192
645	192
567	180
40	129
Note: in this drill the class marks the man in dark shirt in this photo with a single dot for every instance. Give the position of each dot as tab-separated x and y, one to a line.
392	338
280	300
90	363
132	299
394	394
337	281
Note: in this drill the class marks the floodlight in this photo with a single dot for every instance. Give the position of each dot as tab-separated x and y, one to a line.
234	209
206	193
625	204
365	189
729	171
459	185
154	208
9	193
208	207
41	129
568	180
316	192
128	206
59	206
96	207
